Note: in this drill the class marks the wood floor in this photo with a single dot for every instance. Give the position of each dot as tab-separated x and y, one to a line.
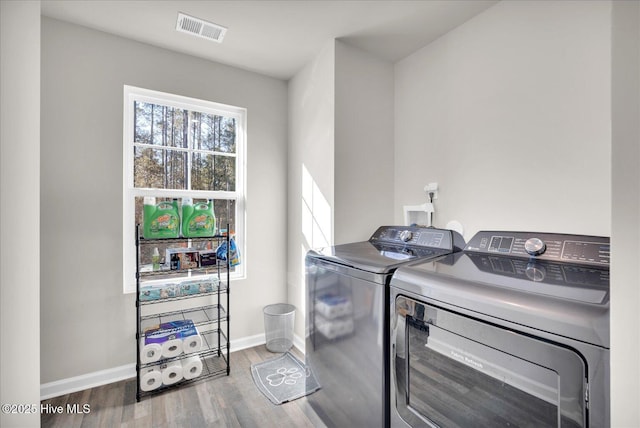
229	401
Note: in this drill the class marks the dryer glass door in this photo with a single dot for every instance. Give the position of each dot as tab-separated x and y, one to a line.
454	371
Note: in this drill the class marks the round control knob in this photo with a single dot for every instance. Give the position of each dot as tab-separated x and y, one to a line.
406	235
534	246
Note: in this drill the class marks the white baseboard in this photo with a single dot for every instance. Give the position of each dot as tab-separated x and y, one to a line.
127	371
86	381
259	339
247	342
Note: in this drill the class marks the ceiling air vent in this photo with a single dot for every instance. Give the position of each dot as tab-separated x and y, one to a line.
198	27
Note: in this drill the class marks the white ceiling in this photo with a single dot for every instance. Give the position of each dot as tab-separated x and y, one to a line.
275	38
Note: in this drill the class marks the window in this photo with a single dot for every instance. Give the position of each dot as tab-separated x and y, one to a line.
177	147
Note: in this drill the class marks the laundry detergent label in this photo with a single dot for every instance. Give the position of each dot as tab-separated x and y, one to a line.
164	222
201	223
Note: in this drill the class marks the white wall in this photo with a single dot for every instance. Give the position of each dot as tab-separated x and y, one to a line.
510	114
363	144
340	155
311	166
20	213
625	235
532	111
87	324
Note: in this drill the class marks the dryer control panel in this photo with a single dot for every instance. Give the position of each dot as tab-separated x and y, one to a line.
582	249
419	237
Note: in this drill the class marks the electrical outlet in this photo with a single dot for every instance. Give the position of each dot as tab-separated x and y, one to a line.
431	188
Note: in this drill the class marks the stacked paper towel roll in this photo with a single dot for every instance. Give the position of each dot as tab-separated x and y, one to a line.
172	348
150	352
150	379
171	372
192	343
192	367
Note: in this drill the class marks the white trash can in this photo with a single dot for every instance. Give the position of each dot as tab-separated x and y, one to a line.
278	326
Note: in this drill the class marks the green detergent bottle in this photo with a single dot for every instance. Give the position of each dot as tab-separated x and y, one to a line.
160	220
201	220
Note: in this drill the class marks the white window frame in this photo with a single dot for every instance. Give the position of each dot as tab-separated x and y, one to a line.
132	94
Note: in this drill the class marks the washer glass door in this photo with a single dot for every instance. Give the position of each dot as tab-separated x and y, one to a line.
451	370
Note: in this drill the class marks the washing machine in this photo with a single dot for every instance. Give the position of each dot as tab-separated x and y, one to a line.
347	303
513	331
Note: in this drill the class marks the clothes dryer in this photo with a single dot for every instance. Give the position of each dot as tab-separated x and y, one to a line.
514	331
348	319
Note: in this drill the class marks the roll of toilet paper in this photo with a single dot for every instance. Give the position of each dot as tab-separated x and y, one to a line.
192	367
150	352
171	372
150	379
172	348
192	343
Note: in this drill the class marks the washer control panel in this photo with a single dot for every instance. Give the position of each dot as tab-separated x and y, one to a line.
547	246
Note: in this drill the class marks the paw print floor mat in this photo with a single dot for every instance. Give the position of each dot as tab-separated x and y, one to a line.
284	378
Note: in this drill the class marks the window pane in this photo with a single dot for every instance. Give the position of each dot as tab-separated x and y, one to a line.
227	140
160	125
209	172
224	210
212	132
159	168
